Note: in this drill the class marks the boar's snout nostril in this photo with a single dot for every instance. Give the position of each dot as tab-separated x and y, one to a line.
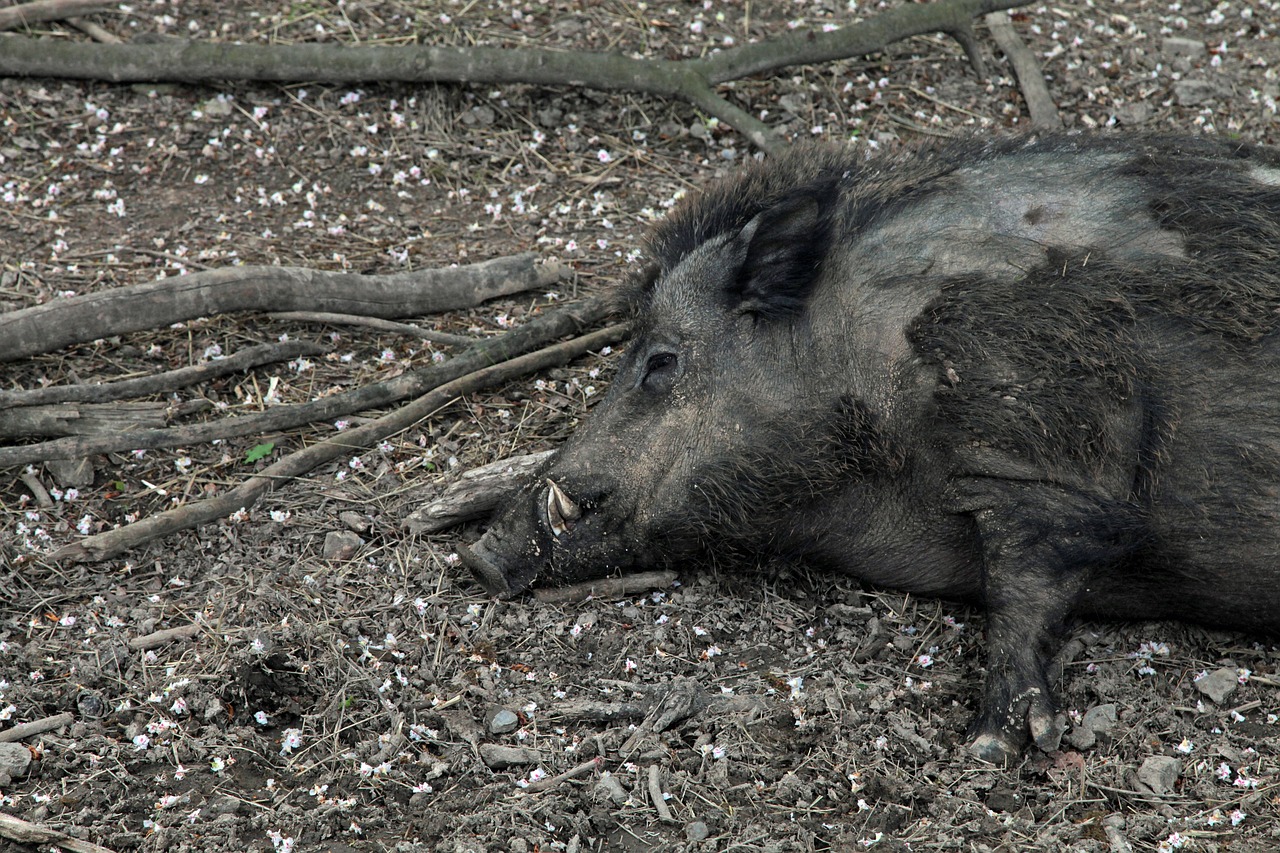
561	510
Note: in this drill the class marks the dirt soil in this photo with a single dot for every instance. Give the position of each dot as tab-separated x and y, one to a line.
380	701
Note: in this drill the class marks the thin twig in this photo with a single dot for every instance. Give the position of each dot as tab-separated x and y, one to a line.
23	731
655	794
101	392
47	10
619	587
407	329
547	784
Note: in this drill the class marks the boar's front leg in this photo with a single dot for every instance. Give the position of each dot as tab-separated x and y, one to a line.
1040	545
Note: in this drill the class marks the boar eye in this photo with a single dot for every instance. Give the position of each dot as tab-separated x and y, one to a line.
660	371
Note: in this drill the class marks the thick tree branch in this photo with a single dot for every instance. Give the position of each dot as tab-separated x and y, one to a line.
536	332
160	303
12	17
1044	113
689	80
106	545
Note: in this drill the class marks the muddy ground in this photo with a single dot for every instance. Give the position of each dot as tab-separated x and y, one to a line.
373	703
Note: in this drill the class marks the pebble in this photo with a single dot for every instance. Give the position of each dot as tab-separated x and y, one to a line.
15	758
696	832
503	722
1159	773
498	757
1099	720
609	788
1219	684
341	545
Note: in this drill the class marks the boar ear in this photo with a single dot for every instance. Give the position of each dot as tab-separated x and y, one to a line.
780	250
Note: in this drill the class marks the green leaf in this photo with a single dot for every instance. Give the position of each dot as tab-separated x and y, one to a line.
259	451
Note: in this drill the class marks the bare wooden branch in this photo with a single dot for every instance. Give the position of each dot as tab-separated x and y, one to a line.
24	832
47	10
548	327
476	493
94	31
156	639
101	392
109	544
656	796
690	80
606	588
573	773
38	491
81	419
47	327
22	731
407	329
1044	113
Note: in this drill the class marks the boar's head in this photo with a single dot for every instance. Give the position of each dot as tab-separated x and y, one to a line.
716	419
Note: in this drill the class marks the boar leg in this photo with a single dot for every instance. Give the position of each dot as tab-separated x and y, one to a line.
1040	543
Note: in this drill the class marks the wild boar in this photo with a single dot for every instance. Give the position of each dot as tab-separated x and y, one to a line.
1037	375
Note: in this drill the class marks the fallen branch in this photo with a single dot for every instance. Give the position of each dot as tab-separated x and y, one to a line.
162	638
656	796
160	383
47	327
81	419
476	493
407	329
47	10
1044	113
553	781
691	80
109	544
24	832
606	588
22	731
536	332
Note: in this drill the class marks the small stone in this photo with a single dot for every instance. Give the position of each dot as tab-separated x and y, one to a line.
1182	48
341	545
91	705
1192	93
1099	720
696	832
1134	114
609	788
71	473
503	722
354	521
15	758
1159	773
1219	684
498	757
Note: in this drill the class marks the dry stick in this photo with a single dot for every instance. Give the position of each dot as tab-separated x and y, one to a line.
547	784
24	832
606	588
161	638
47	327
36	727
691	80
47	10
655	794
81	419
1044	113
548	327
111	543
374	323
476	493
160	383
94	31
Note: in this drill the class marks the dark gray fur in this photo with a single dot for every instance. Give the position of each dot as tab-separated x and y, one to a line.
1035	375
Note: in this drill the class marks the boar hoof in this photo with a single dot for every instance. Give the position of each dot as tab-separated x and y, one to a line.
999	749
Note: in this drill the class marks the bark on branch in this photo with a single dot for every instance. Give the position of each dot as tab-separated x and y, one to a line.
690	80
47	327
47	10
106	545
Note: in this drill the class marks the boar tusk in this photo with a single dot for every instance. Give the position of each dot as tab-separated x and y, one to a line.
561	510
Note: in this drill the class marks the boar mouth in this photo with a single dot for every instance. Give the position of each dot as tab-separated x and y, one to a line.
507	558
